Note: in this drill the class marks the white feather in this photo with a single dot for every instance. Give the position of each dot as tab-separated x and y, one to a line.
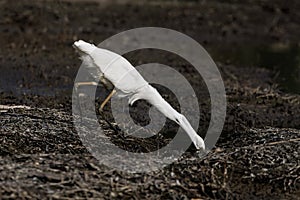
127	79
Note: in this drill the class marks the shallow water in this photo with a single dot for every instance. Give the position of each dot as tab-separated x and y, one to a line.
284	60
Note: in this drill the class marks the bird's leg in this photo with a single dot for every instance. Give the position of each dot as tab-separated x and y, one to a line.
77	85
107	99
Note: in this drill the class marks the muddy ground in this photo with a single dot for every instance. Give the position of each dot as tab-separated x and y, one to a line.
257	155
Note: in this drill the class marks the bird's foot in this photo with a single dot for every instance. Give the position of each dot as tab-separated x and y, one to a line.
101	109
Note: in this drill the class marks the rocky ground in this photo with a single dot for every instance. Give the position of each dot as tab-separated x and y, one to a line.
42	156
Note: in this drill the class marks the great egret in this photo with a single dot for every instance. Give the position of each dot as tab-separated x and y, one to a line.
128	82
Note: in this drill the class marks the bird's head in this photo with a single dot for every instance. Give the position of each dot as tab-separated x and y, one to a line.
184	123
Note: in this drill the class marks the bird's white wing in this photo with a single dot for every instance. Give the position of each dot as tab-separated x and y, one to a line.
112	66
118	70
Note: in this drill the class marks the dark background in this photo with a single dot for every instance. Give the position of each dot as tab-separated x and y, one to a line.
256	47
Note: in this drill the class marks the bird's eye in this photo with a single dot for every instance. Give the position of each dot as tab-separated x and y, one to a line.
177	120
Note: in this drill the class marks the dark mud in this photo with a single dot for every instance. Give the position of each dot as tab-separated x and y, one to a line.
257	155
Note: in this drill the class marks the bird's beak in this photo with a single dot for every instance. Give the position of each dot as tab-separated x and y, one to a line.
196	139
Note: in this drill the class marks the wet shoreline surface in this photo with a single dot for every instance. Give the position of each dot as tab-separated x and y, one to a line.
256	47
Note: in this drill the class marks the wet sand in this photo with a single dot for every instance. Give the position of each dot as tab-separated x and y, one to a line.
42	156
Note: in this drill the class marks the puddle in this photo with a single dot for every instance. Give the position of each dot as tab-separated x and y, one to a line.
283	59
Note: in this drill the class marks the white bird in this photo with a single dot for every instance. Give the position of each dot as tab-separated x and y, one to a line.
130	83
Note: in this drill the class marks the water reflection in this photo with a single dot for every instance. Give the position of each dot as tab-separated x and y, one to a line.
284	59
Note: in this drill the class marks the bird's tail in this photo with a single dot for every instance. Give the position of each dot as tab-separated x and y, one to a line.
84	47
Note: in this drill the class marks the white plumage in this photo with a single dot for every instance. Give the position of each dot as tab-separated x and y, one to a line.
129	82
